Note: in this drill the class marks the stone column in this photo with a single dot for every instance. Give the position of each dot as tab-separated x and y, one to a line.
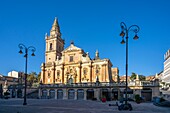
105	74
39	93
80	73
97	94
110	93
43	72
48	93
62	74
65	94
16	94
85	94
75	94
55	93
90	72
23	92
118	92
102	73
53	69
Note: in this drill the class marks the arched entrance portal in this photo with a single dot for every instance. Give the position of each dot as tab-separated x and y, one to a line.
71	94
146	93
105	93
44	94
90	94
60	94
52	93
80	94
115	94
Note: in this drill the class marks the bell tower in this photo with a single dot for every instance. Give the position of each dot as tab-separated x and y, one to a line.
54	43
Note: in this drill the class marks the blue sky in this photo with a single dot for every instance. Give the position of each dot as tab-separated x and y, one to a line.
92	25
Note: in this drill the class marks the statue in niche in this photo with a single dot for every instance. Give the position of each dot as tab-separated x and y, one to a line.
58	80
71	70
71	74
84	78
75	72
67	70
97	70
58	77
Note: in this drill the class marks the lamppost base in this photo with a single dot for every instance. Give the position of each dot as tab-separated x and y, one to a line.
127	106
24	103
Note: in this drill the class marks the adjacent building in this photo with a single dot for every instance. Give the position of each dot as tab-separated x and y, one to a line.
5	82
166	73
13	74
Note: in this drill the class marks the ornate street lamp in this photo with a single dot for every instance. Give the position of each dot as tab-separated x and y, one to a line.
26	49
124	33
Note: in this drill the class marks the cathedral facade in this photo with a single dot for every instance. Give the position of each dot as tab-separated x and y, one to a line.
70	73
72	65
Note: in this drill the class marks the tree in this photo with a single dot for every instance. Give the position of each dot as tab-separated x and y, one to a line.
133	76
39	77
32	78
141	77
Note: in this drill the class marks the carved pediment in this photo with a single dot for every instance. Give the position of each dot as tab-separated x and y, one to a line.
72	48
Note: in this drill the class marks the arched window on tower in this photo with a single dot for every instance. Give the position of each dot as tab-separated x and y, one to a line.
51	46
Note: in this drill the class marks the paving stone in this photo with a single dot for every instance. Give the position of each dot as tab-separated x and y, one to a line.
72	106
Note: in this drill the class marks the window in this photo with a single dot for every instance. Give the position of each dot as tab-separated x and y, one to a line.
49	75
71	71
97	71
58	73
85	71
51	46
71	58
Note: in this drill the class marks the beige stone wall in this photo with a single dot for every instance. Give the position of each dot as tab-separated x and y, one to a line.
115	74
79	73
76	57
155	91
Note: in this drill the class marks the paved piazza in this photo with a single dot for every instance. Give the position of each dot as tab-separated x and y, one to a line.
72	106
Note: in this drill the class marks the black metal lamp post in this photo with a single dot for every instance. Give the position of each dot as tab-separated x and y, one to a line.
125	32
31	48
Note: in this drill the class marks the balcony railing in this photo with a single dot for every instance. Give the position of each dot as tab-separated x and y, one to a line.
101	84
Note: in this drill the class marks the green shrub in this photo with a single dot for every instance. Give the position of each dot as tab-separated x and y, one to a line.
137	98
6	93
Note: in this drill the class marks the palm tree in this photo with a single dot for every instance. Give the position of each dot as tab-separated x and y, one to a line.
32	78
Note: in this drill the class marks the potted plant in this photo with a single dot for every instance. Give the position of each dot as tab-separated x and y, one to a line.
137	98
104	99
